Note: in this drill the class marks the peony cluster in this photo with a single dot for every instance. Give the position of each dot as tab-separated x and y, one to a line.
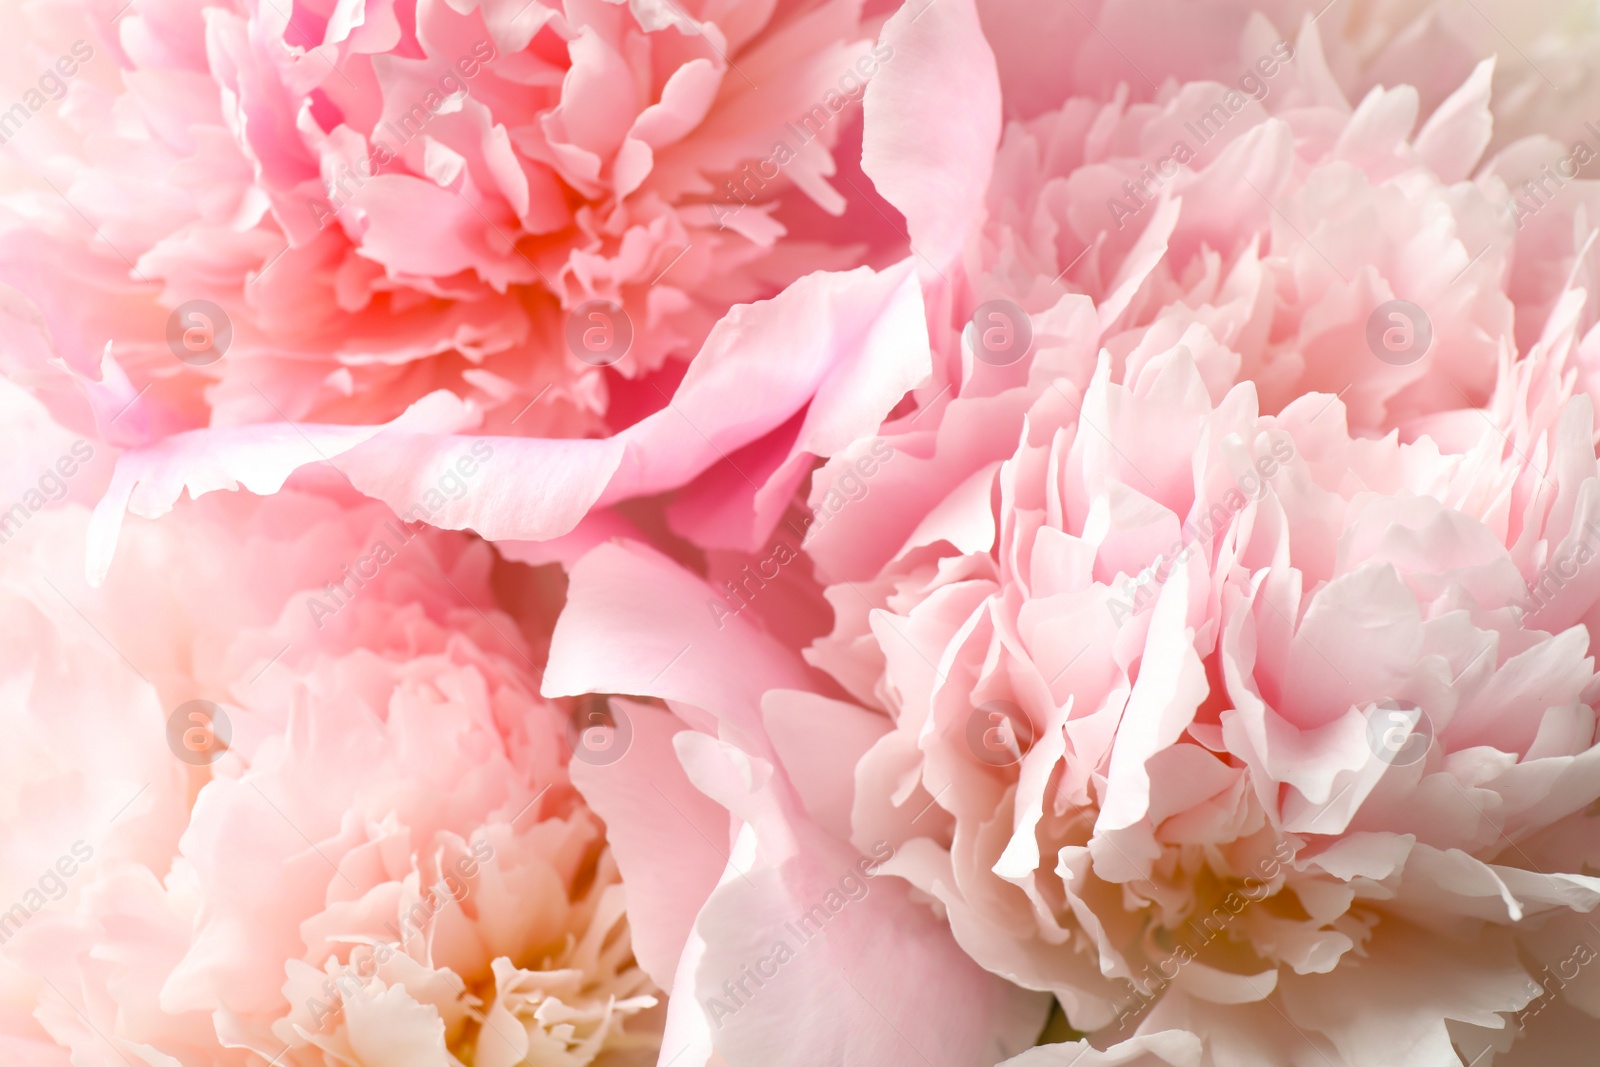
767	533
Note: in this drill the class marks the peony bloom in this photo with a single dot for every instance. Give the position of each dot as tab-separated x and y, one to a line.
1236	725
1254	214
1247	739
440	182
295	800
251	236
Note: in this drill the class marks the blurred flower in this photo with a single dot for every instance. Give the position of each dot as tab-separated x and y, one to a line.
366	851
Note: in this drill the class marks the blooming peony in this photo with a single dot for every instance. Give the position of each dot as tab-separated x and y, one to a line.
1254	214
1216	725
252	236
296	801
1238	726
551	156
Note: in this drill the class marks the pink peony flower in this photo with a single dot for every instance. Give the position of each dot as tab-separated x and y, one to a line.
1245	738
283	791
1254	214
252	236
1235	725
